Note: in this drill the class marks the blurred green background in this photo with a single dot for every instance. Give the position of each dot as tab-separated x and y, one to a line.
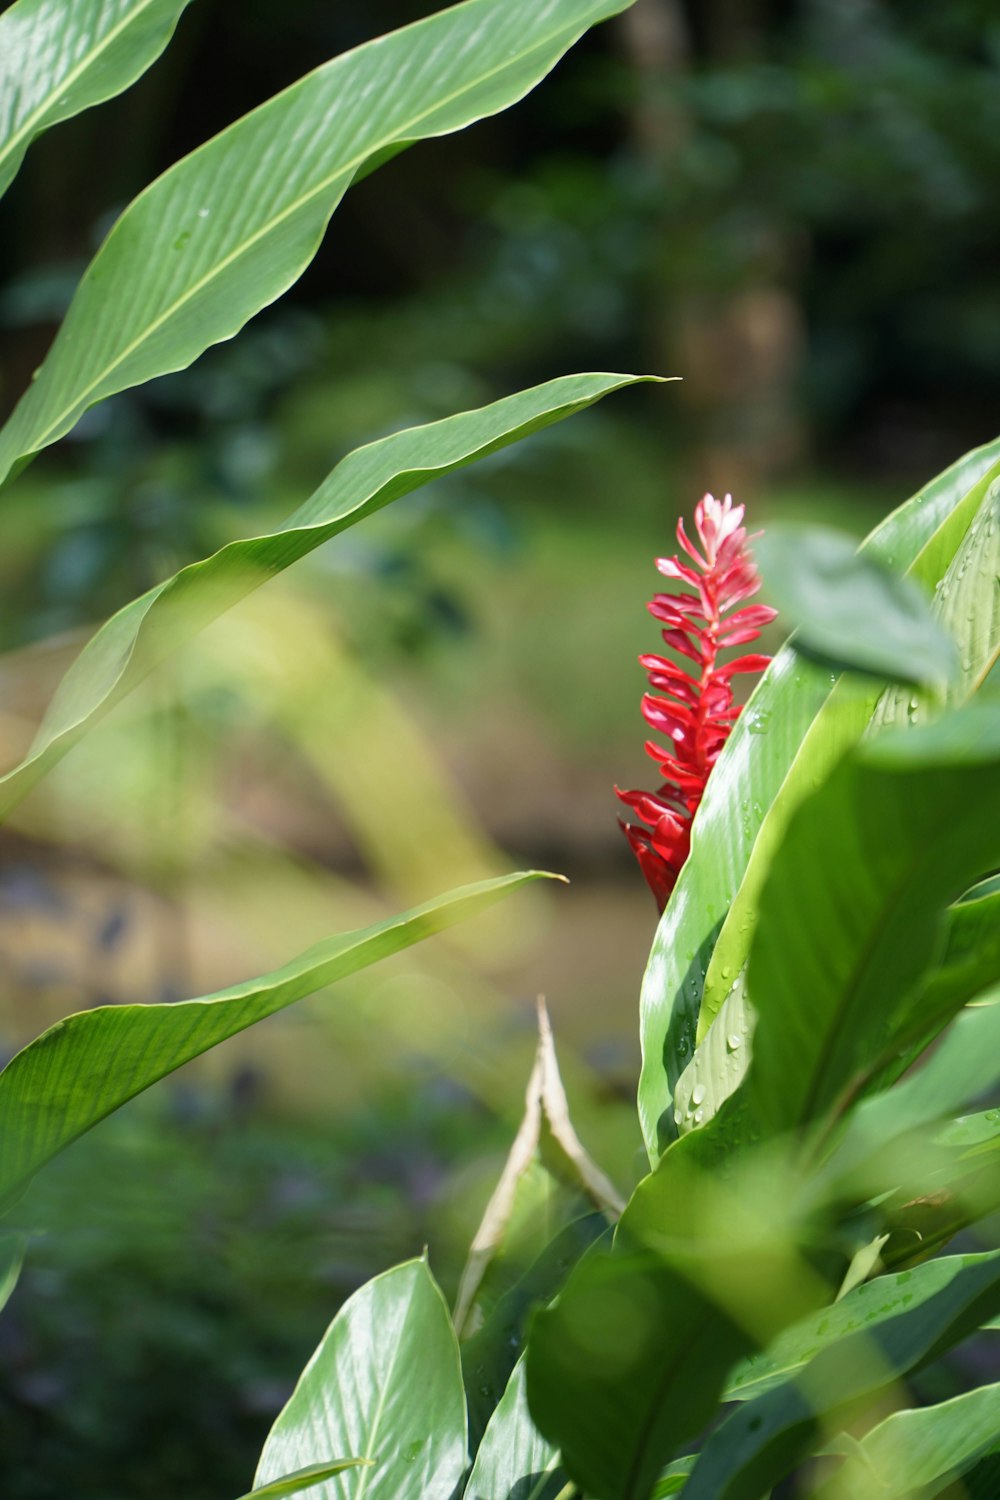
790	204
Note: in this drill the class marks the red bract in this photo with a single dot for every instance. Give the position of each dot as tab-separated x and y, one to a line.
693	706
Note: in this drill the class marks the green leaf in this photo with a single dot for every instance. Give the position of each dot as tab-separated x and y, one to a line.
970	957
58	59
12	1247
514	1461
489	1355
849	608
961	602
962	1068
627	1365
768	753
862	1309
385	1384
853	906
83	1068
920	1450
230	228
305	1479
720	1062
144	632
764	1439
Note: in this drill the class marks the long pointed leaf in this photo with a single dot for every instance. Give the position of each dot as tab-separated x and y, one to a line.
768	747
83	1068
304	1479
228	229
764	1439
853	907
139	636
514	1461
58	57
385	1384
918	1452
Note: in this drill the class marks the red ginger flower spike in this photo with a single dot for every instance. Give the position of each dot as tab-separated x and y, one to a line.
696	709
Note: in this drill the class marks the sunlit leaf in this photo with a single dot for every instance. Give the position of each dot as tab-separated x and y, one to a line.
781	743
305	1479
144	632
514	1461
384	1384
228	229
83	1068
765	1439
58	57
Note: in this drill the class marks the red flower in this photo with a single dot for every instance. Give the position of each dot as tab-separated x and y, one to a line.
696	709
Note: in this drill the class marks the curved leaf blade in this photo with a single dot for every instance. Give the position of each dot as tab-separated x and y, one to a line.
765	749
514	1461
80	1070
12	1248
851	609
853	906
385	1384
864	1308
148	629
57	59
304	1479
228	229
919	1451
764	1439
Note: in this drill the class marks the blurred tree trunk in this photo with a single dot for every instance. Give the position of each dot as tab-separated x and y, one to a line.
738	346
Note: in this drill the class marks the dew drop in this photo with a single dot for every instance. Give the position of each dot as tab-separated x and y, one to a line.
734	1042
698	1093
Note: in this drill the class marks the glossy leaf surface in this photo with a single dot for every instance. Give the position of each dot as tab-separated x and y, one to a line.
11	1259
762	752
227	230
304	1479
58	57
142	634
852	911
83	1068
385	1385
514	1461
942	569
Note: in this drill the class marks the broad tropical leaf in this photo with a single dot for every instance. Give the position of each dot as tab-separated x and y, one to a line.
919	1452
961	1069
83	1068
619	1407
764	1439
514	1461
305	1479
228	229
853	908
850	608
861	1310
781	743
489	1355
141	634
58	57
970	957
384	1384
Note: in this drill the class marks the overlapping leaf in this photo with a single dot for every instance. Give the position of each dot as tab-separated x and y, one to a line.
384	1385
58	57
765	1439
514	1461
783	744
919	1451
305	1479
139	636
77	1072
228	229
852	912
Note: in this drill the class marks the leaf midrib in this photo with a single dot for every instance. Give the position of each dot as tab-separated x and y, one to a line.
245	246
70	80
